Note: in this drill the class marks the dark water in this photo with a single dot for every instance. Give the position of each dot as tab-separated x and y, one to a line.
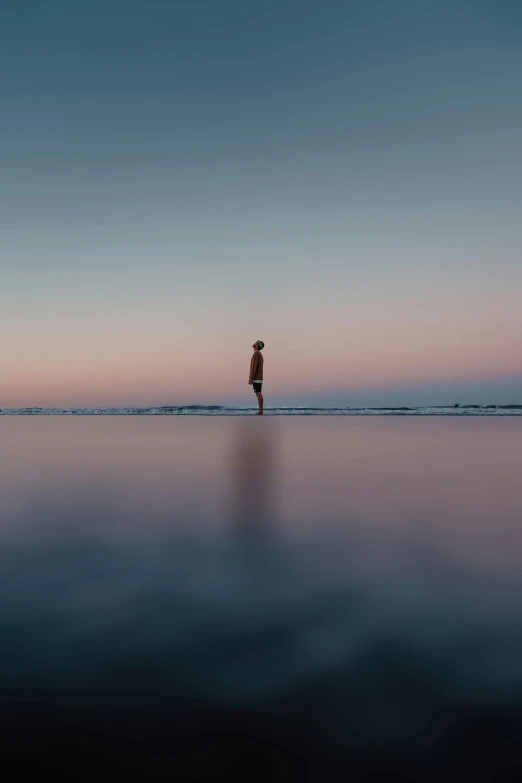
307	599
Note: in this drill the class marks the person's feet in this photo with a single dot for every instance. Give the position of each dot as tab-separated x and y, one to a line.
259	413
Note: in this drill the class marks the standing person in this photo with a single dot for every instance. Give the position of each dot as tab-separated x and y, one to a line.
255	378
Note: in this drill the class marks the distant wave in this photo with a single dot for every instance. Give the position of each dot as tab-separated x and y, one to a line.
218	410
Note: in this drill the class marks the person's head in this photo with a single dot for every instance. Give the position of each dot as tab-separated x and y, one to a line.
258	345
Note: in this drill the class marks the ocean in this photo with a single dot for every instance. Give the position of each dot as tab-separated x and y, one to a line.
220	410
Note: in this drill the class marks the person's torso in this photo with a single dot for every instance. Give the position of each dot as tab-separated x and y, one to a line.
257	364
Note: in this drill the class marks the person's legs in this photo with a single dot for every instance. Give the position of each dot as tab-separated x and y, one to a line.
260	401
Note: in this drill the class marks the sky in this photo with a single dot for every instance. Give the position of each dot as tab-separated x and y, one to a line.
341	179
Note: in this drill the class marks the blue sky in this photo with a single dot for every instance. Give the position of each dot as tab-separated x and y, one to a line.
340	179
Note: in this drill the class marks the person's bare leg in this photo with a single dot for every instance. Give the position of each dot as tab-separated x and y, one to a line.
260	401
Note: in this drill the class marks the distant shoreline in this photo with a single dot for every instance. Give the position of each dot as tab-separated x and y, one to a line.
219	410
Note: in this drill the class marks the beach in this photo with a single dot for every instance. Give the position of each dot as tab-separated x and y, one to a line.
304	598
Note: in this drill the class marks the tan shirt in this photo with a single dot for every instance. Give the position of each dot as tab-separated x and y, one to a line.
256	367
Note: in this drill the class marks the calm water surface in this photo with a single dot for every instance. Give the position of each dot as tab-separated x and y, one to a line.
265	599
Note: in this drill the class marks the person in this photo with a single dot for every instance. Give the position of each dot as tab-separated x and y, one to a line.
255	378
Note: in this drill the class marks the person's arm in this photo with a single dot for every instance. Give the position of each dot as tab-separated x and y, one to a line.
253	368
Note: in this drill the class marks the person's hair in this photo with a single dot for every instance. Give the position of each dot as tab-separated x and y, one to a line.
260	346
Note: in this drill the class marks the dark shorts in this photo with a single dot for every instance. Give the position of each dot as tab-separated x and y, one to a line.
257	386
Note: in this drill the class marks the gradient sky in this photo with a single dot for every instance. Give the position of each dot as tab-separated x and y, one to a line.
179	178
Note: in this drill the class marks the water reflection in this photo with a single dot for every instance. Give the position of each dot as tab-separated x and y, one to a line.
316	602
254	469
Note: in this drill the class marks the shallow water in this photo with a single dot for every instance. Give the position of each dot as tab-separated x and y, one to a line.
278	599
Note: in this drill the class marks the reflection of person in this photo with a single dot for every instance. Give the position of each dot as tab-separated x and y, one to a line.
252	476
255	378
